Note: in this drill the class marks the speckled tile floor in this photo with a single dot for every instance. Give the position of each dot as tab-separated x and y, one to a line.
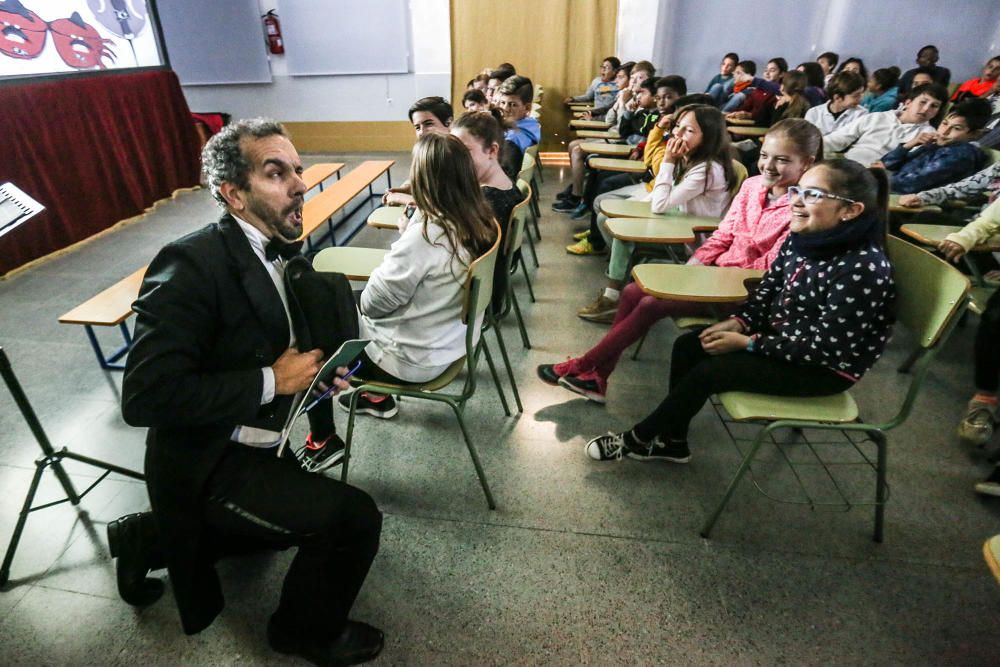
582	562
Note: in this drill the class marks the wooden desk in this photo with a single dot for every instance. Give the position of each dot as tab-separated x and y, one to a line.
623	166
597	134
589	124
386	217
580	106
355	263
316	174
705	284
652	230
739	121
932	235
895	207
611	150
628	208
746	131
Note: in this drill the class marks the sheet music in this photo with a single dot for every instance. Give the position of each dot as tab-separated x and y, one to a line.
16	207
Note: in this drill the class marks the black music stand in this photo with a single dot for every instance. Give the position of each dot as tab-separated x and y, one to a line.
49	458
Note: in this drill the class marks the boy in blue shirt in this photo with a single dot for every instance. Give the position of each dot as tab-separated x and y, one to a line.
515	95
937	158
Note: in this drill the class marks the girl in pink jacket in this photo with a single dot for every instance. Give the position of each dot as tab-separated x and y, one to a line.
749	236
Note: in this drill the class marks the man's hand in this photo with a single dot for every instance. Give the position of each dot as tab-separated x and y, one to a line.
723	342
910	201
951	250
339	384
920	139
294	371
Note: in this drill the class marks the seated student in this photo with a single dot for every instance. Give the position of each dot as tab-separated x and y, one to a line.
845	90
721	84
976	427
815	81
515	95
882	93
429	115
652	158
602	90
979	185
749	236
856	65
480	83
827	61
482	134
745	83
980	86
921	75
574	191
796	335
775	69
412	305
497	77
871	136
927	58
654	95
475	100
947	155
791	101
696	177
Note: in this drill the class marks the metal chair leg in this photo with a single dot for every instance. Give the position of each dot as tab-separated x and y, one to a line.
496	378
520	320
475	456
527	278
531	245
510	371
880	484
635	355
706	529
349	436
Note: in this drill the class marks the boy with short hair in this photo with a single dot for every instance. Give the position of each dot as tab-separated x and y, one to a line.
934	158
514	100
828	61
871	136
980	86
475	100
745	81
927	58
497	77
428	115
721	84
845	90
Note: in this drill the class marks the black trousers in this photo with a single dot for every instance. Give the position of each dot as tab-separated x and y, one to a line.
695	375
599	183
988	346
256	498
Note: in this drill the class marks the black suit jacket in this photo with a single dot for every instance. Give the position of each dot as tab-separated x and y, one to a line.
208	319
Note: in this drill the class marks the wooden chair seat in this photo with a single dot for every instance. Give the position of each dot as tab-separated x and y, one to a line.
355	263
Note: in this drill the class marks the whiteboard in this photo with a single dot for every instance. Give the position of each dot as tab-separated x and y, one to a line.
215	42
346	36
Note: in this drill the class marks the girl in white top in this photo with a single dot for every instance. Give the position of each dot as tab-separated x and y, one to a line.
411	307
845	90
696	178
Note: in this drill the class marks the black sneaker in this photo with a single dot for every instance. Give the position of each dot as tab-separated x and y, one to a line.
567	205
317	458
565	194
382	406
606	447
657	450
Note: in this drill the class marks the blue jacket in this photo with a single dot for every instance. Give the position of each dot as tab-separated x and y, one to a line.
526	134
884	102
930	165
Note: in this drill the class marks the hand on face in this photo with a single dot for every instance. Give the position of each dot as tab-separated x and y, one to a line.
675	150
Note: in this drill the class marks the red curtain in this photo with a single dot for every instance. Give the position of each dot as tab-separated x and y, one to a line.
93	151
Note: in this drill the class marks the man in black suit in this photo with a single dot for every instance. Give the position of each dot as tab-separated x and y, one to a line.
213	373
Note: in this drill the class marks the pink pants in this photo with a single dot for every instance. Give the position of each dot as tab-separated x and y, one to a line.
637	312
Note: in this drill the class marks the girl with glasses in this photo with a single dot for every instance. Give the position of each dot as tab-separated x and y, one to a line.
817	323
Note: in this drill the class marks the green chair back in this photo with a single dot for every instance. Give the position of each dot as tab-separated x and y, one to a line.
479	290
929	291
741	175
527	168
518	219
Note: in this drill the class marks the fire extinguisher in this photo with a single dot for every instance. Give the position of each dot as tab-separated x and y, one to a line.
272	28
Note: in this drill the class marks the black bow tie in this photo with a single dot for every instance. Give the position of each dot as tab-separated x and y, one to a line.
278	248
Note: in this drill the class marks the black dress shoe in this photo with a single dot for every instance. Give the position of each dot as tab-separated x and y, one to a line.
358	642
132	539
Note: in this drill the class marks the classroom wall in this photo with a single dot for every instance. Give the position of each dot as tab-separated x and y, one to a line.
343	113
690	36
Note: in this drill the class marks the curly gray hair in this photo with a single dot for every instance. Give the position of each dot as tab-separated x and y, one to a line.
222	159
